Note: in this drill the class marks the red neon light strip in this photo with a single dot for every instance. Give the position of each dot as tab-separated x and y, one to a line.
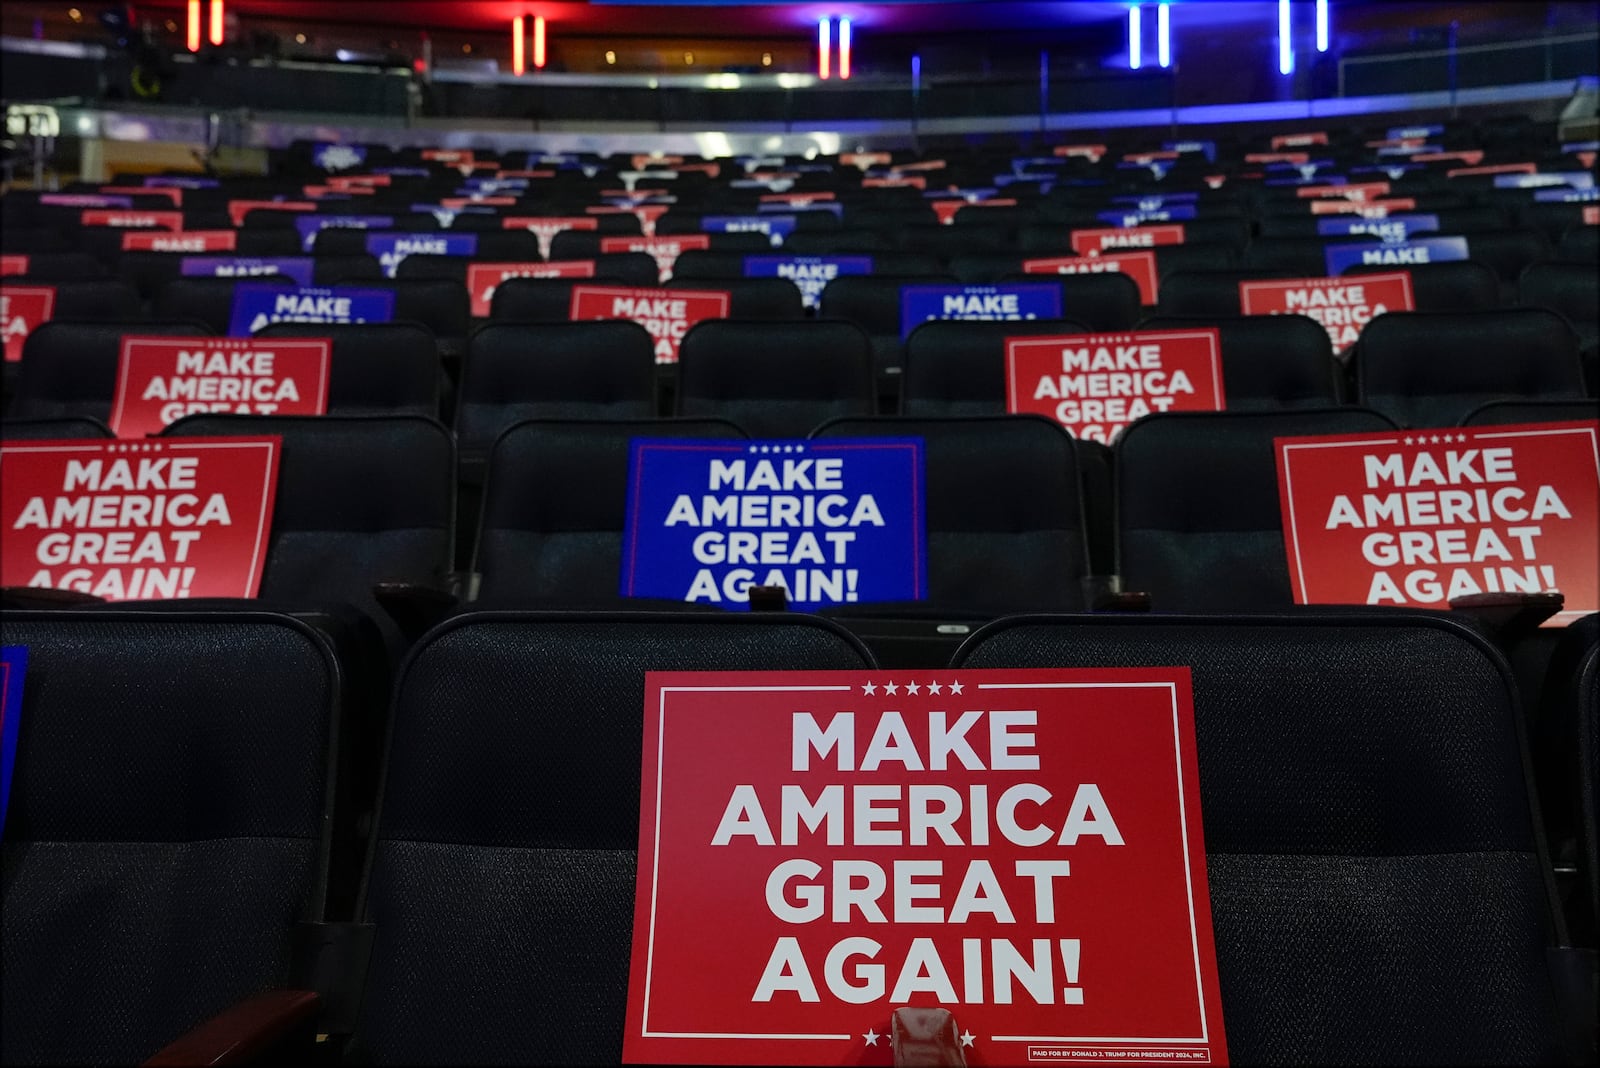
517	64
193	38
538	41
216	22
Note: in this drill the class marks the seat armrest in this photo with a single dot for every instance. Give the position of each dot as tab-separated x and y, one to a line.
415	608
246	1031
1121	601
1508	617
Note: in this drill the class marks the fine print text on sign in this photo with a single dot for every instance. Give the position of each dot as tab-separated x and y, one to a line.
1023	848
832	522
666	313
1342	305
138	520
1015	300
1096	384
162	379
257	305
22	309
1421	517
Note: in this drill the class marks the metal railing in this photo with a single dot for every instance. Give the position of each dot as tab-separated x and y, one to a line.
1553	58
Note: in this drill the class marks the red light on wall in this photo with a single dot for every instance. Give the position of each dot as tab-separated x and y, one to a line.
216	22
824	46
538	41
192	40
844	48
517	63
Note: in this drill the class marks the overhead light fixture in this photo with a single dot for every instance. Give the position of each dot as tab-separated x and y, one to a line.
1135	32
1164	35
824	46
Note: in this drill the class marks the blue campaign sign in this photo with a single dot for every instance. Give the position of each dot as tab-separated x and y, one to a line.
776	227
810	273
1015	300
1169	213
1566	196
1310	179
392	248
13	665
491	185
1045	182
816	205
1389	228
331	156
311	225
257	306
1157	201
1411	133
833	522
1394	171
402	172
1400	253
1208	149
1409	150
295	267
1570	179
169	181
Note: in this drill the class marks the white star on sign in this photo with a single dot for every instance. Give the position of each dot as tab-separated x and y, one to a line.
1435	439
913	689
1409	440
891	689
869	688
966	1038
934	688
955	688
872	1037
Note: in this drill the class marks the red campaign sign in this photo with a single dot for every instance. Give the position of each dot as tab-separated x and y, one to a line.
21	309
664	250
647	214
863	160
1342	305
10	265
1586	160
457	203
1024	848
319	192
1278	157
1591	214
1354	191
546	227
1093	242
920	165
356	183
1499	168
179	241
1090	152
1147	157
1297	140
484	278
1096	384
162	379
912	181
238	209
666	313
1419	518
172	193
448	155
1472	157
800	200
136	520
946	209
166	220
640	162
1140	266
1372	209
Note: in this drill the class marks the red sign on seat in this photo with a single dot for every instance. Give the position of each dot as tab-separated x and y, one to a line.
164	220
22	308
179	241
1140	266
1342	305
664	250
546	227
1096	384
484	278
138	520
666	313
10	265
1421	517
1094	242
1023	848
162	379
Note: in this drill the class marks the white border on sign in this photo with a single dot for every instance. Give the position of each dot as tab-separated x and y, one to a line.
1183	822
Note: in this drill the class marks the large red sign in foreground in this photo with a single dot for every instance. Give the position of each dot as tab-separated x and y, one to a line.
1421	517
1023	848
135	520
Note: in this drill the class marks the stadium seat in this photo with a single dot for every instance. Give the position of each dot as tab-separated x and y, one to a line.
775	380
209	300
1508	412
1447	286
1269	362
555	505
1430	370
770	299
502	876
1570	289
1367	816
376	368
1199	526
1192	294
169	825
958	366
66	428
69	369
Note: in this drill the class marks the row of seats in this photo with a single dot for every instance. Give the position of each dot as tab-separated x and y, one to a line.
195	821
